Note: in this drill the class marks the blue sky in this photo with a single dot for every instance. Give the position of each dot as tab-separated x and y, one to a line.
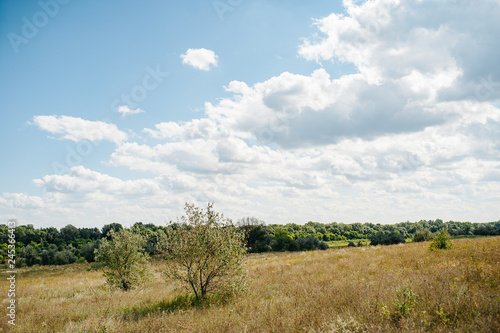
379	111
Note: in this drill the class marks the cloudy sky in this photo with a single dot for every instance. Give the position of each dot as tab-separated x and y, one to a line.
379	111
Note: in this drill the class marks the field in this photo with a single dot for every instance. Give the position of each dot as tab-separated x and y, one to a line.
402	287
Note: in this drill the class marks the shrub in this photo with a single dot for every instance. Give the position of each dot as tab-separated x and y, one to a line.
386	238
257	237
441	241
311	243
123	259
422	235
87	251
29	253
284	242
405	302
205	253
64	257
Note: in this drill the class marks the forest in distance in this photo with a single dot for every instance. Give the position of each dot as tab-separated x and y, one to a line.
50	246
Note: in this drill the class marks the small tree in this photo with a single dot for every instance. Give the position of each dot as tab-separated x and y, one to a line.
124	262
441	240
206	253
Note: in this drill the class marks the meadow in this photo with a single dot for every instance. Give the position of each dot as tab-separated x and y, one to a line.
403	287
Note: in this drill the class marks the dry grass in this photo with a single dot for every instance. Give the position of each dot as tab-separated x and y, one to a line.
338	290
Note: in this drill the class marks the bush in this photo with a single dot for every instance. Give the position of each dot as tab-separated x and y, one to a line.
64	257
257	238
386	238
422	235
124	261
205	253
441	241
311	243
284	242
87	251
30	255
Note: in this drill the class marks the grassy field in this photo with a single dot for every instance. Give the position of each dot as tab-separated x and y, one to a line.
344	243
403	287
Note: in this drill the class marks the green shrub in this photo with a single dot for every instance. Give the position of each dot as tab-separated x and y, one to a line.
422	235
206	253
386	238
123	258
64	257
405	302
441	241
310	243
284	242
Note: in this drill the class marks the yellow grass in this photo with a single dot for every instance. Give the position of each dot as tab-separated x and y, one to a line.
337	290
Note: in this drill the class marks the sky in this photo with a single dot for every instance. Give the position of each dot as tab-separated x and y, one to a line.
377	111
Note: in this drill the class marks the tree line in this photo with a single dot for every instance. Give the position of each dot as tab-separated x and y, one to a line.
50	246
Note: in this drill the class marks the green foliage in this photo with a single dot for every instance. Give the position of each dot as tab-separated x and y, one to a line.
124	262
87	251
257	236
47	242
29	253
284	242
386	238
311	243
405	302
422	235
205	253
441	241
116	227
64	257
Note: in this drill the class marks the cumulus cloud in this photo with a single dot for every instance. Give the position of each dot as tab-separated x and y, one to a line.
78	129
126	110
412	134
83	180
201	59
21	200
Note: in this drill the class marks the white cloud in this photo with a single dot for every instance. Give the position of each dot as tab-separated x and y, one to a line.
413	135
82	180
201	59
78	129
21	200
126	110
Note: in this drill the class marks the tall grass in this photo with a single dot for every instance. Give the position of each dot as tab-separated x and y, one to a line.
402	287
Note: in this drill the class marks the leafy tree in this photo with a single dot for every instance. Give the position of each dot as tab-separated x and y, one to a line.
69	233
124	262
311	243
205	253
441	240
284	242
386	238
29	253
422	235
64	257
108	227
257	237
87	251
